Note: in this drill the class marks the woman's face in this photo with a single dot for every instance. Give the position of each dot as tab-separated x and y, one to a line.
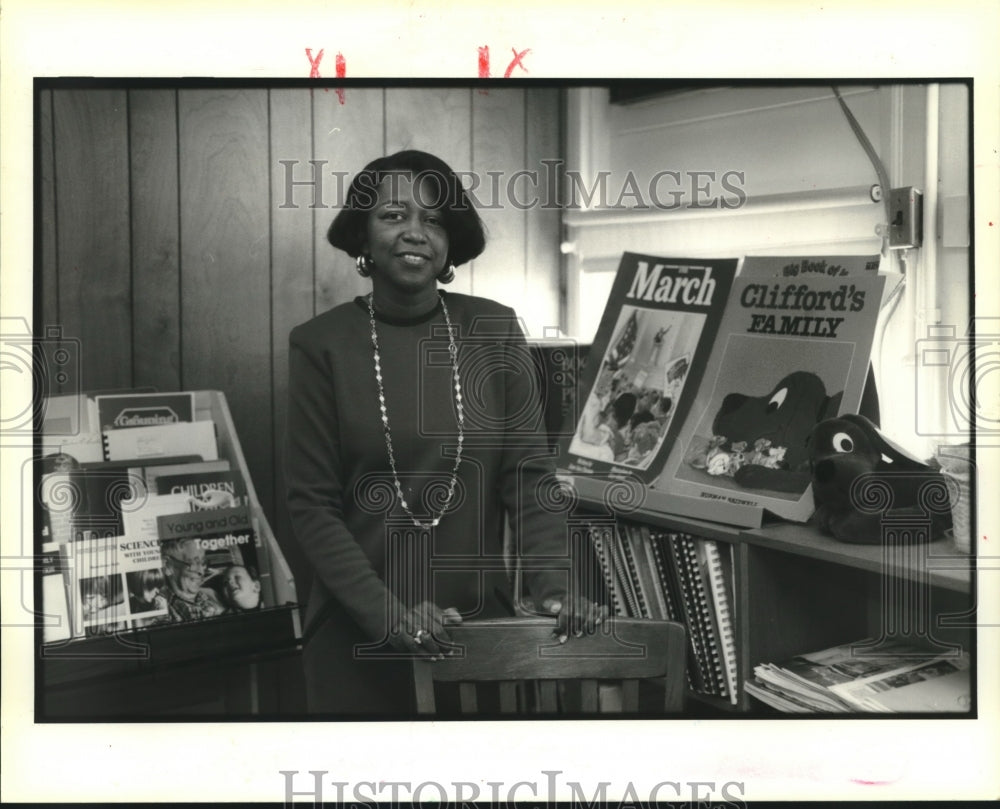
406	241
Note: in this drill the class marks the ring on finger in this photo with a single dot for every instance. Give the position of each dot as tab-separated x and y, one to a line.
419	637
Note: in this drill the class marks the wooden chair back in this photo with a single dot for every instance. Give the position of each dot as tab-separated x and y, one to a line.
598	673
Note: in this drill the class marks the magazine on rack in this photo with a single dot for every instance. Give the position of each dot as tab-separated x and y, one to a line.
650	349
215	556
898	678
127	410
198	565
790	352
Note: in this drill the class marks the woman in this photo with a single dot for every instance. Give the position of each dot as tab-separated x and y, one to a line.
406	446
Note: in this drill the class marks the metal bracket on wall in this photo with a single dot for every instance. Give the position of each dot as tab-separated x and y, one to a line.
906	211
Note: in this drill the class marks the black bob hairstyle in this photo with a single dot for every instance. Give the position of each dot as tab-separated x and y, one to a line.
466	235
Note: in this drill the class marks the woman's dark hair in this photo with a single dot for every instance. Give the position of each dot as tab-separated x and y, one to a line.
466	235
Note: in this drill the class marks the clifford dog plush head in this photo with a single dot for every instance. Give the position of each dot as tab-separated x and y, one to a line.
840	450
773	430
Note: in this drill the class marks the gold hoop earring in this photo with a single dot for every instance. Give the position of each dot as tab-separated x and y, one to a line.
447	275
361	264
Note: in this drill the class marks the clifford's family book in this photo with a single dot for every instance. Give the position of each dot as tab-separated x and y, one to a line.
705	385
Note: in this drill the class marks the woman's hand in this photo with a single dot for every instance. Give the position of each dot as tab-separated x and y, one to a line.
421	630
575	615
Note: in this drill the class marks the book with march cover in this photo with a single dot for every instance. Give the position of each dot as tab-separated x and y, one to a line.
789	354
127	410
650	349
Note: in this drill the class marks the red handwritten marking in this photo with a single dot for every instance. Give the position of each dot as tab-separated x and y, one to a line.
484	66
341	67
516	62
314	63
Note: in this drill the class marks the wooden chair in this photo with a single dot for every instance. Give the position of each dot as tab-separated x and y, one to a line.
597	673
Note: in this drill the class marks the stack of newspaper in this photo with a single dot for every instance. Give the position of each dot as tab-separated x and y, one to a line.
891	677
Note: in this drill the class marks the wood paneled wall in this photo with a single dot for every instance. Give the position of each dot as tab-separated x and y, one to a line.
168	250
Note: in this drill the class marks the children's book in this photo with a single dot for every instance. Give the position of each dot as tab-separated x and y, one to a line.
790	352
651	348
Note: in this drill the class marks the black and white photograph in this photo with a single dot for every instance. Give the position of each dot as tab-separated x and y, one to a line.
391	431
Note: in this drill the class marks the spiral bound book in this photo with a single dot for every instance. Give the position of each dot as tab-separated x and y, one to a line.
719	566
623	575
673	609
698	654
647	567
600	537
162	441
626	533
698	579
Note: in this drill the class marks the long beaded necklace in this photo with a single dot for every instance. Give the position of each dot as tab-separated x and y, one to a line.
453	352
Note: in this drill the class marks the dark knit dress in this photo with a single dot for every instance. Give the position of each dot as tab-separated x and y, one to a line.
370	561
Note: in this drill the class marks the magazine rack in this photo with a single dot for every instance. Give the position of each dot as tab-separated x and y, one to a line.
167	669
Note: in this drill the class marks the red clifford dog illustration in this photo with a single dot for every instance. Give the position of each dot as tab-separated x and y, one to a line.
761	441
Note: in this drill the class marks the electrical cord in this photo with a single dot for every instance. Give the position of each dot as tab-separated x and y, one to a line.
889	308
883	175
